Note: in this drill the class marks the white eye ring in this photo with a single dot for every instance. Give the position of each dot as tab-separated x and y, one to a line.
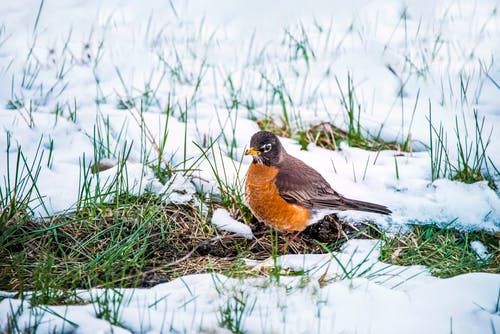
266	148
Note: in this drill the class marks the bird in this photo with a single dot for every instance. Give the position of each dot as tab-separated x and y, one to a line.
284	192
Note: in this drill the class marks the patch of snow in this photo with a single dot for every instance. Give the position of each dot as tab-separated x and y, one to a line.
225	222
480	249
358	258
178	190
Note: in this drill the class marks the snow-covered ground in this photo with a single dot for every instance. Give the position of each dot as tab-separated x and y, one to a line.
70	67
71	74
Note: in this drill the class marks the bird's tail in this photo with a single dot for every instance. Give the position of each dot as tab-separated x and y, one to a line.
352	204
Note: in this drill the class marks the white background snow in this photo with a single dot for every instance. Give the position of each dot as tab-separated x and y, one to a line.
71	67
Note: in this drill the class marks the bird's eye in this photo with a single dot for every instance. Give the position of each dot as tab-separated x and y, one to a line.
266	148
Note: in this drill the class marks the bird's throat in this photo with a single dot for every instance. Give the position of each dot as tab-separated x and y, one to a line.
259	160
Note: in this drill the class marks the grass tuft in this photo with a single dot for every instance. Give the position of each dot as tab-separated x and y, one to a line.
447	252
472	162
326	135
231	314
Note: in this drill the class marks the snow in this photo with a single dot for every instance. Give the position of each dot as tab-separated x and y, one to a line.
480	249
121	51
72	69
376	299
178	190
358	258
225	222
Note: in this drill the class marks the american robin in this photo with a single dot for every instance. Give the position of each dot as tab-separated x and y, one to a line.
282	191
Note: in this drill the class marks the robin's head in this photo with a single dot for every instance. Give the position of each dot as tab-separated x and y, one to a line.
265	148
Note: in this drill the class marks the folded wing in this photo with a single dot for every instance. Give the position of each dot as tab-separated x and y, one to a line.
309	189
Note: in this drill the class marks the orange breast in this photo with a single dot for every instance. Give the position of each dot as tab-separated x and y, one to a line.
267	205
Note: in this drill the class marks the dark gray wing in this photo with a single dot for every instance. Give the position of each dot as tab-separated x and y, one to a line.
300	184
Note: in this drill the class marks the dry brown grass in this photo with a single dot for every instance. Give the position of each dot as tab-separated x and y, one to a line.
141	244
327	135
